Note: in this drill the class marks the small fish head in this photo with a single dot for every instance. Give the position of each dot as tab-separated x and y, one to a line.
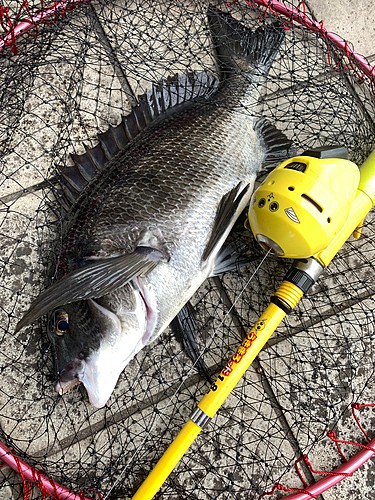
93	344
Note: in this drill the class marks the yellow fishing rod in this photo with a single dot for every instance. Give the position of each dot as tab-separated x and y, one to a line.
305	209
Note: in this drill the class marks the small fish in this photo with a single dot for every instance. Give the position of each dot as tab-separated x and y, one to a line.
150	207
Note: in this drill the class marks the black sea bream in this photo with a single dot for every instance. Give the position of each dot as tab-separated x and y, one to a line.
147	230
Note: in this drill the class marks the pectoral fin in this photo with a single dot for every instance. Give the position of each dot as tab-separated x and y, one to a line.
92	281
227	212
231	259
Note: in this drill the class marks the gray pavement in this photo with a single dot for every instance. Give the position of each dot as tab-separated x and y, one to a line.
68	430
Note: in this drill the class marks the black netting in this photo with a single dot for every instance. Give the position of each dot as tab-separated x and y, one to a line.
61	85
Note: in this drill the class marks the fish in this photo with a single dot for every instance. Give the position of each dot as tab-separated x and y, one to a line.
148	209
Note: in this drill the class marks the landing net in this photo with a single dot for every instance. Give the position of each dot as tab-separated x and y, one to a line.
65	78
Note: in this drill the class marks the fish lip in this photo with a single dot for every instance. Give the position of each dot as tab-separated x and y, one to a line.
71	375
63	389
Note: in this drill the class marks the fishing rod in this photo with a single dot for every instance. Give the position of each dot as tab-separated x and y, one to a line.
305	209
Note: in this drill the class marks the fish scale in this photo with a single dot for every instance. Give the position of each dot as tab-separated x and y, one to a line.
179	182
152	205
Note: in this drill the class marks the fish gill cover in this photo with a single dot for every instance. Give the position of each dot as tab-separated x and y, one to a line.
70	78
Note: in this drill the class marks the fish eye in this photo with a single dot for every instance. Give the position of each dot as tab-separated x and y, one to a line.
61	322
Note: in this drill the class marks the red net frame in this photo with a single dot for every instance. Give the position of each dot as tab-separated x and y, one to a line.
13	29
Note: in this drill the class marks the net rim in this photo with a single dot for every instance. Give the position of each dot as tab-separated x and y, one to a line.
34	476
274	6
18	29
337	475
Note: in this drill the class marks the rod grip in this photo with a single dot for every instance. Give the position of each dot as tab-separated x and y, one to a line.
168	462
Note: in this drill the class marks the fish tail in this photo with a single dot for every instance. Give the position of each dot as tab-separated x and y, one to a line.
232	41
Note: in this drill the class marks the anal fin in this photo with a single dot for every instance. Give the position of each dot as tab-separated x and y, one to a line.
185	328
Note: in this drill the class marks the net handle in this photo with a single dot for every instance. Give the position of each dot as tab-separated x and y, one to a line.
33	21
302	18
338	475
32	475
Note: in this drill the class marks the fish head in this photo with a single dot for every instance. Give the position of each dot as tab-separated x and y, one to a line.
95	339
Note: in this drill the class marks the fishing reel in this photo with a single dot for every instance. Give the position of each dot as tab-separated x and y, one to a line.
306	209
301	206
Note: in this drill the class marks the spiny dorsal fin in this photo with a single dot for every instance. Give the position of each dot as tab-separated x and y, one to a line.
153	103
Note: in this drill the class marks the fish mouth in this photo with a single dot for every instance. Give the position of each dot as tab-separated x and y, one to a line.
70	376
123	337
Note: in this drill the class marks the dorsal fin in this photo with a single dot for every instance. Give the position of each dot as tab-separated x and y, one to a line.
153	103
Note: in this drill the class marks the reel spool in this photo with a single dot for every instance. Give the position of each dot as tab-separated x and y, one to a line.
304	202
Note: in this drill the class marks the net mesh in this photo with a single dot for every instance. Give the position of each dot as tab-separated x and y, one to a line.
64	82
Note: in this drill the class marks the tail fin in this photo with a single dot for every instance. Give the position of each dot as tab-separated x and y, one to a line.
232	40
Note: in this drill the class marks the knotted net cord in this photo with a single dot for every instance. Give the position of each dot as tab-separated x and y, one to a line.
72	78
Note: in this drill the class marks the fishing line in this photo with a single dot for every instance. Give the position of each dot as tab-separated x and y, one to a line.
210	340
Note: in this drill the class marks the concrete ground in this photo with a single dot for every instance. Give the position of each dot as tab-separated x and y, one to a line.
78	424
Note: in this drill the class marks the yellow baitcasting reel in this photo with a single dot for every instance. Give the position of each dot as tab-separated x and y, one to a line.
304	202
